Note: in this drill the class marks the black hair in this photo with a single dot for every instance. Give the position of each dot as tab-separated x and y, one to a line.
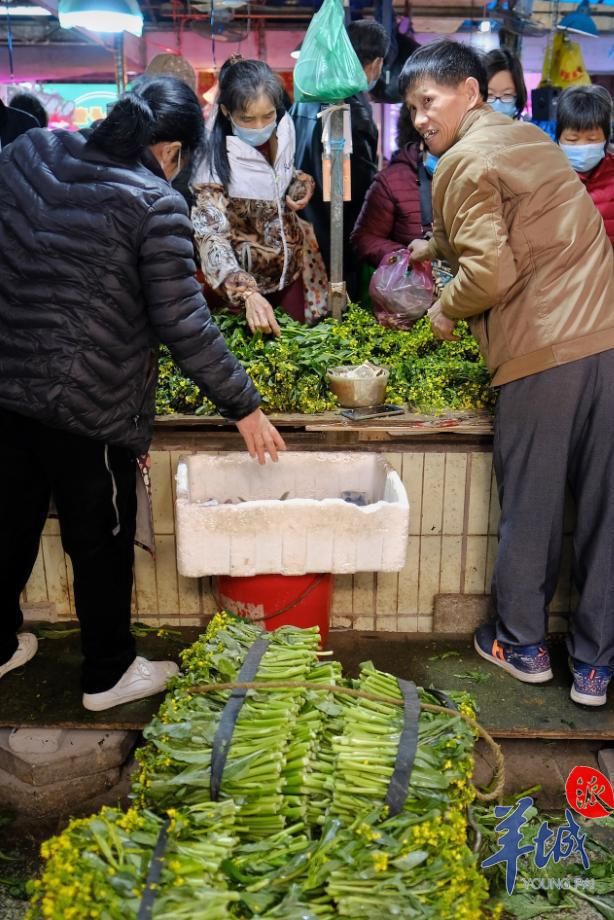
156	109
406	132
581	108
500	59
445	62
28	102
369	40
241	82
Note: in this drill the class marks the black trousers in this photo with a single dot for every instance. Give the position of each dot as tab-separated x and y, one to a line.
94	488
556	429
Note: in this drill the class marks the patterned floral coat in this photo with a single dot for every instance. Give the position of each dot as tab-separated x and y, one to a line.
248	238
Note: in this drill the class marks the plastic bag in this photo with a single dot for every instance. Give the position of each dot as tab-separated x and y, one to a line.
328	69
401	292
563	64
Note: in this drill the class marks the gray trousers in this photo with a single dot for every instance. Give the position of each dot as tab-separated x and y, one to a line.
553	429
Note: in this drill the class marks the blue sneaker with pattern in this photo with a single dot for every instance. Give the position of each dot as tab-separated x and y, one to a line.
590	683
528	663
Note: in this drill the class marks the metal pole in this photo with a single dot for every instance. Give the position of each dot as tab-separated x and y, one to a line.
336	289
120	69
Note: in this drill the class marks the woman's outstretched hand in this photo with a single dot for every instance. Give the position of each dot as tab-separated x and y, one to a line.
260	436
259	314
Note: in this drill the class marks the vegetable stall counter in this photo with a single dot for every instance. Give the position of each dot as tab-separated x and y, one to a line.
319	430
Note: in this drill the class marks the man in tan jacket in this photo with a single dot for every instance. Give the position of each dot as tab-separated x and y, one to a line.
534	276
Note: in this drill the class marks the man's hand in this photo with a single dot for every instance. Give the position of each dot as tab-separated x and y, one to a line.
261	438
419	250
259	314
443	328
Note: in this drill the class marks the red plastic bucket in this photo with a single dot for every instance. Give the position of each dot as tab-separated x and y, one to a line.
278	600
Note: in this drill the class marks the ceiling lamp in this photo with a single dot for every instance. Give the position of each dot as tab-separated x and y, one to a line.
101	15
580	21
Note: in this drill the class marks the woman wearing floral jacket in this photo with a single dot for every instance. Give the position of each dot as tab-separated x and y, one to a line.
255	252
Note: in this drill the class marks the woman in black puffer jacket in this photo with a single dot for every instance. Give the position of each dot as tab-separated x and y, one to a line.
97	268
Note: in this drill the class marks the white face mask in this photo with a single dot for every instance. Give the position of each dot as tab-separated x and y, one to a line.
584	157
255	137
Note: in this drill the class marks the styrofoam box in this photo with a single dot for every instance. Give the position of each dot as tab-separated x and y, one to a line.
311	530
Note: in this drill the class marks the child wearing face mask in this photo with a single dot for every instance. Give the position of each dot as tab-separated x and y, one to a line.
254	250
507	91
583	126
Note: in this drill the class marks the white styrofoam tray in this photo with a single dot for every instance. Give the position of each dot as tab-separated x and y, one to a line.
311	530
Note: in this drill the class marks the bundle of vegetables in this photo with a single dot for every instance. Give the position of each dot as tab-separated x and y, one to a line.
412	865
418	862
308	769
99	866
415	865
176	764
366	750
274	874
290	371
305	833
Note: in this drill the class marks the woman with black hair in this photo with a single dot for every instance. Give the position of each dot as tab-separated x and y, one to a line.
28	102
250	239
507	91
97	268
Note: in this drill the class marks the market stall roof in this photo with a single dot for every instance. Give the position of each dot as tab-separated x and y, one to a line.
42	51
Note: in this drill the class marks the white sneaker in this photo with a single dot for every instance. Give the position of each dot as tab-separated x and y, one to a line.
143	678
26	649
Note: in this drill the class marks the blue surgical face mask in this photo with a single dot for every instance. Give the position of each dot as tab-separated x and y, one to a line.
372	84
584	157
430	163
255	137
505	108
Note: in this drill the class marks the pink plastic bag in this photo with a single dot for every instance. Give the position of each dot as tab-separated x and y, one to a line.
401	292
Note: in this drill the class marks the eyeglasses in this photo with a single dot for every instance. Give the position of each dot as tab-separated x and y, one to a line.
504	97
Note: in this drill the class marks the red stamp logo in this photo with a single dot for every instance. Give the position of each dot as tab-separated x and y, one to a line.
589	792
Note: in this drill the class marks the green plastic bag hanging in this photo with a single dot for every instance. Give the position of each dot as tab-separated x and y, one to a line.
328	69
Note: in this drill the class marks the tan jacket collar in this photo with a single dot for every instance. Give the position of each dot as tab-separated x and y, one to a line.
470	119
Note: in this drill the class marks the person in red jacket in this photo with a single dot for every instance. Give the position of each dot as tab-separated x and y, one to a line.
391	216
583	127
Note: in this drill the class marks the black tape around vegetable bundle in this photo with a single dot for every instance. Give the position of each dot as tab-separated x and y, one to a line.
153	875
406	752
219	755
498	779
230	714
